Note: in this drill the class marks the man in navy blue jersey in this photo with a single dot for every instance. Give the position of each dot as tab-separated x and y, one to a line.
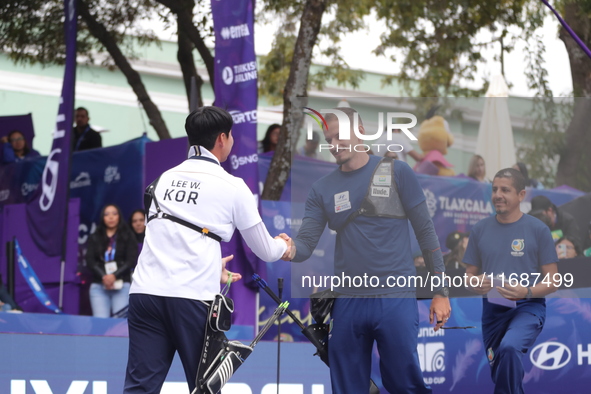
519	248
373	242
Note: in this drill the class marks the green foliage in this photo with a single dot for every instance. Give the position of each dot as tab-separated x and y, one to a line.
440	39
31	31
345	16
274	67
545	138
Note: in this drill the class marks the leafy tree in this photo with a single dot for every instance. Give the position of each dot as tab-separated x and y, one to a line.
574	167
297	54
441	47
441	42
192	34
31	31
97	26
544	137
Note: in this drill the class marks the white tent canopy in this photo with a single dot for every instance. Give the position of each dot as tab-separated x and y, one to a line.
495	135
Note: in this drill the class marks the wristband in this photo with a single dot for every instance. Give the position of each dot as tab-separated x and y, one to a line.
442	291
529	294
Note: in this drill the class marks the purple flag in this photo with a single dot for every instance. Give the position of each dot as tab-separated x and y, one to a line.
236	91
47	212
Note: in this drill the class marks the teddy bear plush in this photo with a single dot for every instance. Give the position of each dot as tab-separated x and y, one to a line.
434	139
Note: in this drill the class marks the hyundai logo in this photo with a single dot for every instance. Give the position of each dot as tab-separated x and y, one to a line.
550	355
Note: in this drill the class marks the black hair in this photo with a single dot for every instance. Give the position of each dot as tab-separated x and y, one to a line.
523	169
26	149
123	231
572	241
131	217
139	237
516	177
82	109
205	124
267	140
539	214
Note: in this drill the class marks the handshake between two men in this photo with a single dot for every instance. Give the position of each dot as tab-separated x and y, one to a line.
291	248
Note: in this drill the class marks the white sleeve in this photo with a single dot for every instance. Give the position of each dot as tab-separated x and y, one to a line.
245	213
262	244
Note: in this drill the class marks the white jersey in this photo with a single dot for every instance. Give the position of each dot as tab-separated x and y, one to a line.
177	261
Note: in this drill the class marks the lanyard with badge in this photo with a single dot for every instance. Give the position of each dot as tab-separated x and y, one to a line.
111	264
81	137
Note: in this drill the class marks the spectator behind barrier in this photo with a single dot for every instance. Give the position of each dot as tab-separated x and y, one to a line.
539	214
84	137
137	222
269	143
529	182
111	257
310	149
15	148
477	169
566	248
561	223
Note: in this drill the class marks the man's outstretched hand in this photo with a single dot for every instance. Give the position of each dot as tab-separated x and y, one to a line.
291	248
227	274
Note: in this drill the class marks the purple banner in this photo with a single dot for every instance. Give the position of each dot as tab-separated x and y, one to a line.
455	204
236	83
47	212
13	225
155	163
236	91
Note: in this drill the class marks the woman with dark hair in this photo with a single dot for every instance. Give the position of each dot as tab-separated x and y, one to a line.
137	222
567	248
521	167
15	148
269	143
111	256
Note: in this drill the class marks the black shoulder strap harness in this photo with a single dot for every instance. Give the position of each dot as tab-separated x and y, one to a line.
382	198
150	195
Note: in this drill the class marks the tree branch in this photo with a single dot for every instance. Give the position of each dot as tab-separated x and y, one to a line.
574	167
185	22
295	89
134	79
187	63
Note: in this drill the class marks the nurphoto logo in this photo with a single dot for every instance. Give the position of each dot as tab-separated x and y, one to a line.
386	124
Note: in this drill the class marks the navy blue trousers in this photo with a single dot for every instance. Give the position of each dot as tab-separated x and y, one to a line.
394	324
508	334
159	327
